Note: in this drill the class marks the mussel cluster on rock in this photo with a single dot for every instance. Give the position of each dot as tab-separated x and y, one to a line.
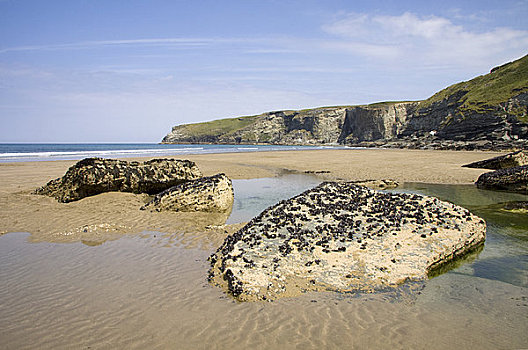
178	184
342	237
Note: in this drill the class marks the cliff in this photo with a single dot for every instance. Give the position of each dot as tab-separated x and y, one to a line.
487	112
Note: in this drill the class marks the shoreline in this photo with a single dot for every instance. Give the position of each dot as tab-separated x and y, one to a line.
108	215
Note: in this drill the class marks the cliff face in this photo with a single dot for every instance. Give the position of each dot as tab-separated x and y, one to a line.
375	122
490	111
447	120
314	126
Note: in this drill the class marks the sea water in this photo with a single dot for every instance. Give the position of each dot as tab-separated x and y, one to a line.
17	152
148	291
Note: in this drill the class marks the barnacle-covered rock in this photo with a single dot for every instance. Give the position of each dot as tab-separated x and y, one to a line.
510	160
92	176
342	237
510	179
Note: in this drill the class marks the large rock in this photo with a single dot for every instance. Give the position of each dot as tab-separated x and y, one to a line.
92	176
509	160
209	194
510	179
342	237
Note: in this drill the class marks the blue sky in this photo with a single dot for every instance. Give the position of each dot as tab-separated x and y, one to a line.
127	71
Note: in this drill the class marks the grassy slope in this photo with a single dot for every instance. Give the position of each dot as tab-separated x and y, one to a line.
217	127
488	91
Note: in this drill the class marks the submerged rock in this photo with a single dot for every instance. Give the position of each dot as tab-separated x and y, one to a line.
509	160
210	194
92	176
377	184
517	206
510	179
342	237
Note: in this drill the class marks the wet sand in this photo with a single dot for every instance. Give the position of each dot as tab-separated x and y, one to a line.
99	217
151	292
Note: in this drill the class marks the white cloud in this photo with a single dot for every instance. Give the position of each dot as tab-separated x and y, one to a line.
406	40
176	42
431	39
173	42
410	25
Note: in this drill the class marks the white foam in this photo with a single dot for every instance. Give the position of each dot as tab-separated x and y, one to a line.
97	153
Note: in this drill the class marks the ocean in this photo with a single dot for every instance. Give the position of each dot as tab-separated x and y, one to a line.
23	152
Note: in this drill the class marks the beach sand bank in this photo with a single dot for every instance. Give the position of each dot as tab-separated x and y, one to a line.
102	217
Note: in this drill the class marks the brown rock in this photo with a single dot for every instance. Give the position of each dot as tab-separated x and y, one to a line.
510	179
92	176
509	160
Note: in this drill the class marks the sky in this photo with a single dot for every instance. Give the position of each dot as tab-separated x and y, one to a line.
128	71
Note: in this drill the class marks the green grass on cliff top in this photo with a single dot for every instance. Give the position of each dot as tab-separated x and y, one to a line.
487	91
218	127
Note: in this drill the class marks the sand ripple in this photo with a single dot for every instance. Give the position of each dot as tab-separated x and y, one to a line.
149	291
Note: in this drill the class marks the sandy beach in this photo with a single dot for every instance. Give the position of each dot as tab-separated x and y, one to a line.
108	215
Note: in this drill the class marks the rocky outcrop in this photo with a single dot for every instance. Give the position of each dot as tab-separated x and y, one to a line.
208	194
510	179
487	112
92	176
326	125
509	160
313	126
342	237
382	121
449	119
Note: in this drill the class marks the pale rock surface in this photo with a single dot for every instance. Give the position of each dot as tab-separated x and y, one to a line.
377	184
342	237
208	194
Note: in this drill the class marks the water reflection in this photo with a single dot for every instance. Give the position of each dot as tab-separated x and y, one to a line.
254	195
505	255
509	269
464	195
